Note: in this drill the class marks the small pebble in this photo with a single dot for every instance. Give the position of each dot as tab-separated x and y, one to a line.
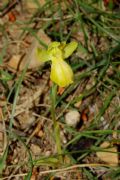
47	153
36	150
72	118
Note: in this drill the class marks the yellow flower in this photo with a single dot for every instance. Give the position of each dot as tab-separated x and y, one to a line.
61	72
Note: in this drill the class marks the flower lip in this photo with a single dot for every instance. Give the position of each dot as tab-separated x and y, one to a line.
61	73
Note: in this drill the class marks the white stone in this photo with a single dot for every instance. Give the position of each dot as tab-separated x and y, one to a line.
72	118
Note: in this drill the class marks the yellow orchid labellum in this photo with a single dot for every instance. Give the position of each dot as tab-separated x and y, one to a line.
61	72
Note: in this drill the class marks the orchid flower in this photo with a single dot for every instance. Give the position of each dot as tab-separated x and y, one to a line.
61	72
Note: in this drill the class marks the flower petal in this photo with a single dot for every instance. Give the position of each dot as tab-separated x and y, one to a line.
55	53
61	73
54	44
42	55
70	48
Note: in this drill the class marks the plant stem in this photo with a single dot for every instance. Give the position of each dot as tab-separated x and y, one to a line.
55	122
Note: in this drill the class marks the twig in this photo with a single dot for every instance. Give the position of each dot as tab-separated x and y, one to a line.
64	169
9	6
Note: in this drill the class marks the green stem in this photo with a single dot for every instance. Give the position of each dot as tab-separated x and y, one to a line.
55	122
